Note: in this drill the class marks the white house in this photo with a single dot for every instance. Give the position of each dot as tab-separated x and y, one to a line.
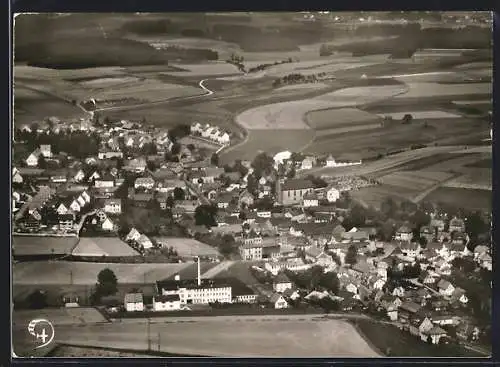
332	194
85	195
404	234
307	163
281	283
133	235
16	177
278	301
75	206
46	150
170	302
113	206
134	302
310	199
107	225
144	241
196	128
330	161
445	288
144	182
106	181
32	160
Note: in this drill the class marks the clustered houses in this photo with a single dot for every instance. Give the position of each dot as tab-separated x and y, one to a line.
212	133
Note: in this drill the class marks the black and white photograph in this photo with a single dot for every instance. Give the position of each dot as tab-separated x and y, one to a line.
252	184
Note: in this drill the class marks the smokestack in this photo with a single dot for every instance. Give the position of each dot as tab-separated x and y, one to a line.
199	274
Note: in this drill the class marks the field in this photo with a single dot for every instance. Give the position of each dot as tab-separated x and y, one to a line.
472	102
103	246
241	271
325	119
419	115
478	178
289	115
268	141
186	247
315	86
35	245
31	106
191	271
272	338
430	77
59	316
426	90
207	69
397	343
464	198
60	272
76	352
414	180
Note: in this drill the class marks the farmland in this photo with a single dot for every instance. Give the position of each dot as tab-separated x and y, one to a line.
419	115
269	337
103	246
426	90
57	272
186	247
331	118
36	245
59	316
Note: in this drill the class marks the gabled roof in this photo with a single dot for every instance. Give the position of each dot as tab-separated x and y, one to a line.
297	184
275	297
134	298
281	278
443	284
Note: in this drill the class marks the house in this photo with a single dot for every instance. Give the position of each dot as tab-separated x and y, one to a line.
281	283
310	199
418	328
32	159
108	154
330	161
318	256
332	194
144	241
106	180
144	182
66	221
78	176
445	288
196	128
113	206
467	332
485	261
458	295
46	150
169	302
137	165
292	191
16	177
404	233
435	334
307	163
406	310
245	199
427	233
410	249
134	302
278	301
223	138
107	225
71	300
133	235
457	225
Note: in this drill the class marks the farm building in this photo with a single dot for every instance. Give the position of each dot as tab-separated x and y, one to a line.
281	283
278	301
134	302
171	302
113	206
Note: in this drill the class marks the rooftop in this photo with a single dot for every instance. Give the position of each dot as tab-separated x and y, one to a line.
297	184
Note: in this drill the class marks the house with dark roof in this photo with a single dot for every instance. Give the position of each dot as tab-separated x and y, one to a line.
310	199
404	233
445	288
281	283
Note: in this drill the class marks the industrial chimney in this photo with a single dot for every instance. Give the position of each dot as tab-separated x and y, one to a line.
199	273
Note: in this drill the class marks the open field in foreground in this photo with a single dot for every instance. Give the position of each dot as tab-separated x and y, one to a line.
479	178
417	115
59	316
397	343
285	337
37	245
57	272
71	352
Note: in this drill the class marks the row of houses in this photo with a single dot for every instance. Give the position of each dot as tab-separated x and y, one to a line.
213	133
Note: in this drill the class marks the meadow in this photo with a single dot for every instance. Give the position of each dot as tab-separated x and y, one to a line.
85	273
187	247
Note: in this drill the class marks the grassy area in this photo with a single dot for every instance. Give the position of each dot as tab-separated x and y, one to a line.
483	163
65	350
394	342
464	198
241	271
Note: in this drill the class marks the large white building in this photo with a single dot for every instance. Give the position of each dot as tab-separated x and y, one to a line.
192	292
171	302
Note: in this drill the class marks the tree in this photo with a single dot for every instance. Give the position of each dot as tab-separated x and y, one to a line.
42	162
151	165
106	283
252	184
176	148
330	281
263	164
351	257
407	118
474	225
214	159
205	215
291	173
37	300
170	202
226	246
179	194
239	167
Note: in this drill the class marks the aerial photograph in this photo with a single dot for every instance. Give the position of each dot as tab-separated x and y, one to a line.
252	184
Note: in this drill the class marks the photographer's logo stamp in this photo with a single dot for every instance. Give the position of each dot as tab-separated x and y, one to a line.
43	332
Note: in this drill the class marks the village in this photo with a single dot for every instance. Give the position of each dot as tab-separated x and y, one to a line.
117	188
